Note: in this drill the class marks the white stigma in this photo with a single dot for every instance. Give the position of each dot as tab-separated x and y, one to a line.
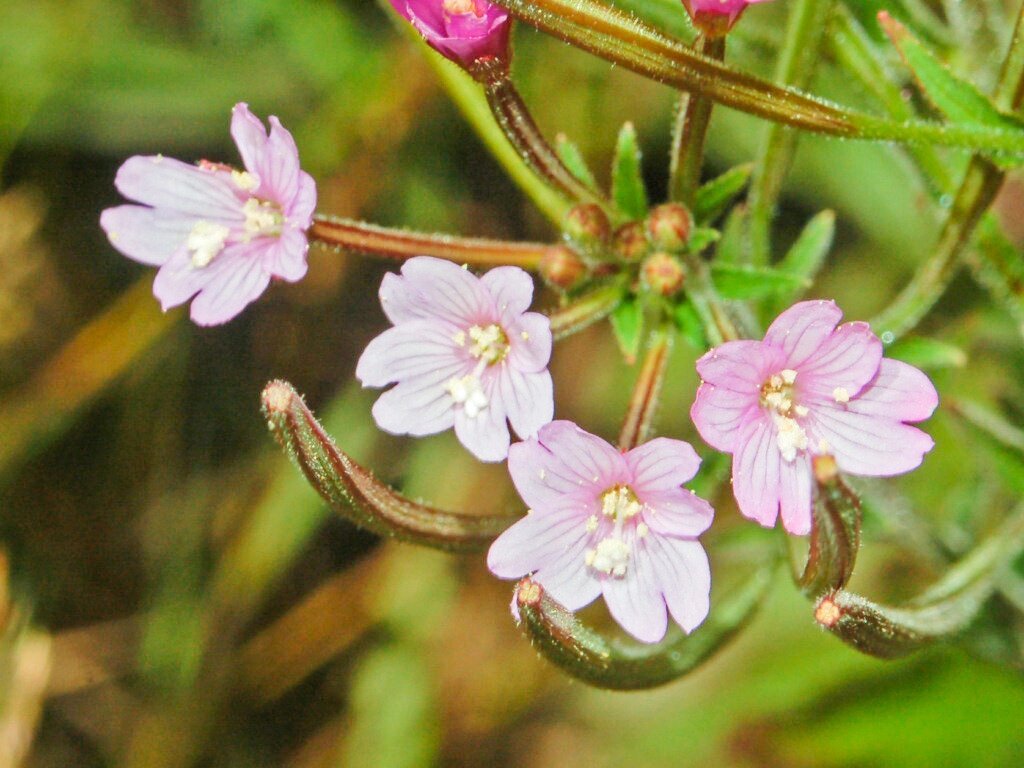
791	437
468	393
778	395
262	219
490	344
611	557
205	241
459	7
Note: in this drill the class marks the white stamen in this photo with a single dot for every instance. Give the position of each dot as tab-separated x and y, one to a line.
460	338
524	336
490	344
620	503
790	438
592	524
788	376
468	393
841	395
611	557
261	218
205	241
801	410
642	530
244	180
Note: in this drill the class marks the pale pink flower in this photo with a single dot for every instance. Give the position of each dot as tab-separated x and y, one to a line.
461	30
463	352
217	234
808	389
612	523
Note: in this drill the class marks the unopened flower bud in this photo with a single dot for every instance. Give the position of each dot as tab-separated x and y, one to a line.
464	31
630	243
562	268
663	273
715	17
588	227
669	226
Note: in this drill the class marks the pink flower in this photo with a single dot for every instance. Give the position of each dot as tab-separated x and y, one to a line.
717	16
809	388
611	523
464	352
461	30
217	234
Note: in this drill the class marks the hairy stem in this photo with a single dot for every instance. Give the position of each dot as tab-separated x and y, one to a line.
636	427
689	134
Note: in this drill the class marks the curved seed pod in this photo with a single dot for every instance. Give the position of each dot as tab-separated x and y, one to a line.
622	663
835	535
354	493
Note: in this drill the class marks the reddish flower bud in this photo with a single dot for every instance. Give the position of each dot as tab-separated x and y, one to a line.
588	227
715	17
461	30
630	243
562	268
663	273
669	226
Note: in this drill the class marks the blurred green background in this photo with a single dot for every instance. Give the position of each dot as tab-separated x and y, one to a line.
203	606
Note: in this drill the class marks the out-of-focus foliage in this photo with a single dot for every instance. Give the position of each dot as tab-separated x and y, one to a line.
203	607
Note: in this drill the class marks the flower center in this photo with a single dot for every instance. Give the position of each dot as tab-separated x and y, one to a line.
490	344
262	219
205	241
460	7
611	555
778	396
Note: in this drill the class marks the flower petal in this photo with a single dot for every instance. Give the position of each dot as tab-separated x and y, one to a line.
742	366
171	185
899	391
299	210
430	287
238	283
147	235
512	289
419	406
801	330
865	444
285	256
414	349
563	459
661	464
795	497
250	136
683	575
529	338
635	600
755	471
718	413
848	359
676	512
528	399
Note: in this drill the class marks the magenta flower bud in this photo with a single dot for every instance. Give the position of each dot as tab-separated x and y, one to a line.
464	31
716	17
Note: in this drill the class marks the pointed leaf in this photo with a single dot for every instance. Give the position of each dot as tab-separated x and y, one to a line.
354	493
807	254
730	247
701	238
620	663
928	354
715	196
689	324
572	158
628	191
628	323
745	282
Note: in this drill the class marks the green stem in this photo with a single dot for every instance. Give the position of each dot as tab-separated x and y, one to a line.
689	134
700	290
514	118
798	58
586	309
351	235
636	427
979	188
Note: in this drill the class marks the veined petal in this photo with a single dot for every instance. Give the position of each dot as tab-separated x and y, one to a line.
719	412
563	459
240	281
278	167
635	600
755	471
419	406
529	338
741	366
864	444
147	235
538	539
174	186
512	289
801	330
676	512
661	464
900	392
528	399
795	494
430	287
683	575
414	349
299	210
285	256
847	360
486	434
250	136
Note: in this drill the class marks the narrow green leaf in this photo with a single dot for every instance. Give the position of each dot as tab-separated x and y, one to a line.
997	265
572	158
692	329
628	189
808	253
928	354
701	238
730	246
745	282
627	322
715	196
